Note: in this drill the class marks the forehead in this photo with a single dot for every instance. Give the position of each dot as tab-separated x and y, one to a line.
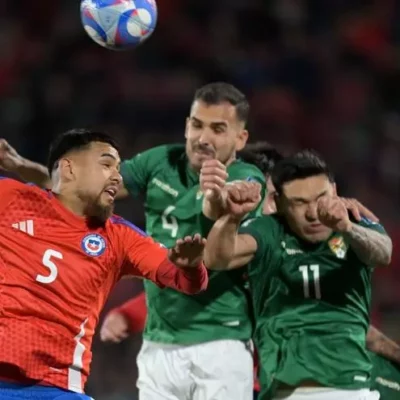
98	149
223	112
307	187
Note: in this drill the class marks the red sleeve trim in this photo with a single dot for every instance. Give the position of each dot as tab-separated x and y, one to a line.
135	310
185	280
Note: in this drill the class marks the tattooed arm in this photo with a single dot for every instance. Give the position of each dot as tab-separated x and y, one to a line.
372	247
380	344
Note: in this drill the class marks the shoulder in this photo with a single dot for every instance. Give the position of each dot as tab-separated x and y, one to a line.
264	223
8	185
245	171
168	153
122	226
265	229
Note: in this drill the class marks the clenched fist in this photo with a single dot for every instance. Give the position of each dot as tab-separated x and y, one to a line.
332	212
242	197
10	160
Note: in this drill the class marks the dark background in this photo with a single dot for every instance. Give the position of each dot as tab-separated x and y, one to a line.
321	74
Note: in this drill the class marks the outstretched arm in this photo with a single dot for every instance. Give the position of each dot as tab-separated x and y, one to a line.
180	268
380	344
225	248
372	247
28	170
367	239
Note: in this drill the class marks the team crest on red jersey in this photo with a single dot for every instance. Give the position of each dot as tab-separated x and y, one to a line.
93	245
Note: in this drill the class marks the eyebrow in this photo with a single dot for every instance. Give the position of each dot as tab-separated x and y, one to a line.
215	123
307	200
109	155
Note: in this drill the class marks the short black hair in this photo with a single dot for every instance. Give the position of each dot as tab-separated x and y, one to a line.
75	139
301	165
219	92
262	155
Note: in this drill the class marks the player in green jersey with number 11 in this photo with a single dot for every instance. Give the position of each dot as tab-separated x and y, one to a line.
310	272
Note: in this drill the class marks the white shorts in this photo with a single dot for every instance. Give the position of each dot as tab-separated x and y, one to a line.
326	394
218	370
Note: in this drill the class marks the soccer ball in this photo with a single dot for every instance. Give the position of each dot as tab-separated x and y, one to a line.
119	24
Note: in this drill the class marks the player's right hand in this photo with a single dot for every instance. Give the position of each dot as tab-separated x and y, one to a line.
242	197
9	158
115	328
213	177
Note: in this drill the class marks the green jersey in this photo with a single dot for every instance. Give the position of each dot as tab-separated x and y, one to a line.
311	304
173	207
385	377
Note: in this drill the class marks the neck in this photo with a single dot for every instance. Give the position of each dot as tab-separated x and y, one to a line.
72	202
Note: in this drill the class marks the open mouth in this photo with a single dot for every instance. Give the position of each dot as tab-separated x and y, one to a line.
112	192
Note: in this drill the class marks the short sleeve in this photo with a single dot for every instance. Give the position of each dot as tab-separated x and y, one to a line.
265	230
142	256
136	171
375	226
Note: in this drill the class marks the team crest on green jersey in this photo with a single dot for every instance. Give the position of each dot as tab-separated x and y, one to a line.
338	246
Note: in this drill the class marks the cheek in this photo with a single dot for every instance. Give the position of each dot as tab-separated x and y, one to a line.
223	144
192	134
296	214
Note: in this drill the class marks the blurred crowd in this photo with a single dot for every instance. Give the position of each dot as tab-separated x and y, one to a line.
320	74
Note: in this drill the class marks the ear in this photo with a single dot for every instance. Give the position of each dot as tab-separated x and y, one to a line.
66	169
187	126
241	139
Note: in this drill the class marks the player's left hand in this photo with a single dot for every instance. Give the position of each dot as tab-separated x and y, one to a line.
332	212
358	210
188	252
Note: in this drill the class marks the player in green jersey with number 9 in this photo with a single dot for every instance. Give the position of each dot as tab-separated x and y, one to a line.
310	272
195	347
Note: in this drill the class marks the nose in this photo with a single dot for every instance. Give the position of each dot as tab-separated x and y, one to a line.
116	177
205	137
311	213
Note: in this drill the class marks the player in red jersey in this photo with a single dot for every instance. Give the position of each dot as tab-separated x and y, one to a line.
61	252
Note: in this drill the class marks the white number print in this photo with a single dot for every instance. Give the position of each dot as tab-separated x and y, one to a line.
52	267
169	222
306	281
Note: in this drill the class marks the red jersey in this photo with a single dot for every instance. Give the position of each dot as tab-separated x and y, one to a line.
55	275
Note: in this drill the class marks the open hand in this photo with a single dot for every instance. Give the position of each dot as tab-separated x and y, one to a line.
188	252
